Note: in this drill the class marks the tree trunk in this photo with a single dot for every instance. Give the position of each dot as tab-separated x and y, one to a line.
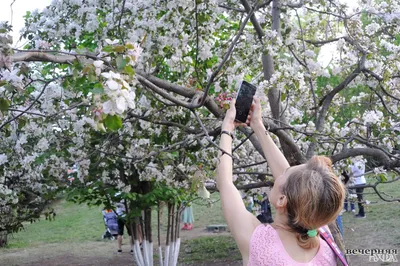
274	93
3	238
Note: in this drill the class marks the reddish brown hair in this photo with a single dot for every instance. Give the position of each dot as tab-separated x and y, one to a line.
315	196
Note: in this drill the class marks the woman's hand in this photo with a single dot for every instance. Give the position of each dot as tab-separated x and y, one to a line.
254	119
229	123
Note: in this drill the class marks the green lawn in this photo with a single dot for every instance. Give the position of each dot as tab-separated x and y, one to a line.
73	223
77	223
380	230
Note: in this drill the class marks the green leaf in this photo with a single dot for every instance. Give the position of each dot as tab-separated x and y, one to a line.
97	89
21	123
119	48
121	62
4	104
129	70
113	122
383	177
108	49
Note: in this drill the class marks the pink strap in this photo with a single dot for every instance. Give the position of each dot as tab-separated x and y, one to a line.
324	233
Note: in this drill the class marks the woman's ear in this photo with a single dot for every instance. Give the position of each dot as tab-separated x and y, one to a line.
282	201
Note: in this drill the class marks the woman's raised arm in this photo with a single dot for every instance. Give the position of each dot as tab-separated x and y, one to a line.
275	158
240	222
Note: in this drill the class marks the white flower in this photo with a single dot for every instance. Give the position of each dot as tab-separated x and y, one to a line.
309	53
203	192
3	159
113	85
372	28
121	105
98	64
136	51
108	41
111	75
43	144
108	107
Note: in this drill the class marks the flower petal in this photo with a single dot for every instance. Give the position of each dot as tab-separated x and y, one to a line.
108	107
121	105
113	85
98	63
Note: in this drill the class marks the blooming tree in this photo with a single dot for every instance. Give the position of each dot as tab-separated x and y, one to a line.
133	92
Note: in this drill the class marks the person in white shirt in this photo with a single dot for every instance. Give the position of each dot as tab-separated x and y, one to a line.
357	172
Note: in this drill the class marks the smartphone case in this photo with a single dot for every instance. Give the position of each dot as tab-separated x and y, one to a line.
244	99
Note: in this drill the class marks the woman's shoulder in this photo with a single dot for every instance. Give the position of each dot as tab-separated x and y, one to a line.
264	229
264	234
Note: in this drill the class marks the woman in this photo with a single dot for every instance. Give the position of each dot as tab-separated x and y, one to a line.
187	218
305	197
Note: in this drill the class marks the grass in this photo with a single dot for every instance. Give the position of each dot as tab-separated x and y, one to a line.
380	229
208	249
204	212
73	223
77	223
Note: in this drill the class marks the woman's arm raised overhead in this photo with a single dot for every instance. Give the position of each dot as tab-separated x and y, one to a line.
241	222
276	160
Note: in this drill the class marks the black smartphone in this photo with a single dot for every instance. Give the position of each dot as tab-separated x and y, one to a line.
244	99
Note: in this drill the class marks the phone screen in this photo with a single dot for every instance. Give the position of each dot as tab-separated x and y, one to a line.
244	99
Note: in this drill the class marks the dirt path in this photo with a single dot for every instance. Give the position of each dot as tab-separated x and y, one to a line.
100	253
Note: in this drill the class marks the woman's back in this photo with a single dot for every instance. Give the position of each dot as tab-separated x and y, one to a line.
266	248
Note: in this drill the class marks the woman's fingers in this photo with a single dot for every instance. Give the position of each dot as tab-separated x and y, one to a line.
232	105
256	100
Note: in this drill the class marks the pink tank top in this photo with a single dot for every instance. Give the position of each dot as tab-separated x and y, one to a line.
266	249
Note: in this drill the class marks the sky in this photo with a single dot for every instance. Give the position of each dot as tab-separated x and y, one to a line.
17	11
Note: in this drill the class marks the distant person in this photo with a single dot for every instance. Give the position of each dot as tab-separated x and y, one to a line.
265	216
121	213
187	218
350	193
357	172
248	201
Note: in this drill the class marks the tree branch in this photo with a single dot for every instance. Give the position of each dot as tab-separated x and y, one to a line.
245	187
227	55
154	88
326	101
253	19
31	105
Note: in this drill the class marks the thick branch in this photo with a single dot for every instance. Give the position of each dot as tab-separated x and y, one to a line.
161	92
326	101
253	19
245	187
183	91
376	153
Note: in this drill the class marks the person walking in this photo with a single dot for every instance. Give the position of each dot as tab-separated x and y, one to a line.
350	193
357	172
121	214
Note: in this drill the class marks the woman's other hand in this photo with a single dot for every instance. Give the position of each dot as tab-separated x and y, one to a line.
254	119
